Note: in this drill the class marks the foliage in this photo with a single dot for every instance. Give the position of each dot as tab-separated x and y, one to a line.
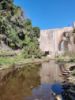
19	32
36	32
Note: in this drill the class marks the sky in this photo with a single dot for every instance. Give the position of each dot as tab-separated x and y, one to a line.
48	14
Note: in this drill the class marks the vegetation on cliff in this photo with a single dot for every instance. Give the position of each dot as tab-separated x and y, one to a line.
17	32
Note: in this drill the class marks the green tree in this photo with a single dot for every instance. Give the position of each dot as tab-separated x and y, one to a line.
18	31
36	32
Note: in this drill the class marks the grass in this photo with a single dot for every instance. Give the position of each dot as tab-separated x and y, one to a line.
66	58
17	59
10	60
6	60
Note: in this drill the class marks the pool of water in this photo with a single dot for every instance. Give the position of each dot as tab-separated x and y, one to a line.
42	92
33	82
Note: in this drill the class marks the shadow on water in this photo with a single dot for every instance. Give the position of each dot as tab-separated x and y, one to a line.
42	92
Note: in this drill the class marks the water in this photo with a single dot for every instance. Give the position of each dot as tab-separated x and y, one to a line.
33	82
42	92
50	73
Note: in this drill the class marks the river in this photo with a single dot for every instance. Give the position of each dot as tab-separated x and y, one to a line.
33	82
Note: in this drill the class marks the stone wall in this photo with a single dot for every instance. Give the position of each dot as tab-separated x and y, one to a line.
50	40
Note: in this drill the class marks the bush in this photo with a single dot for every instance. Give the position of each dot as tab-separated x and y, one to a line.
18	31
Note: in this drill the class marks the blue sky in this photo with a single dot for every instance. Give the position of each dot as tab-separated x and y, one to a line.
49	13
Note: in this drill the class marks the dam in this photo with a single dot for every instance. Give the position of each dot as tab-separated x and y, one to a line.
57	41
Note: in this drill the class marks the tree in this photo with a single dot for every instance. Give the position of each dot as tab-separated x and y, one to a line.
28	22
18	32
36	32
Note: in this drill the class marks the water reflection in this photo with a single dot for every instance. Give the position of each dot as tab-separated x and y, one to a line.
43	92
33	82
49	74
19	83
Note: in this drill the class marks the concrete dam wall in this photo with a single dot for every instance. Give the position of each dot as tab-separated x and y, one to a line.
56	41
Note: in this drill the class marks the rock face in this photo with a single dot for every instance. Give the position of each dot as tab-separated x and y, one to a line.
57	41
